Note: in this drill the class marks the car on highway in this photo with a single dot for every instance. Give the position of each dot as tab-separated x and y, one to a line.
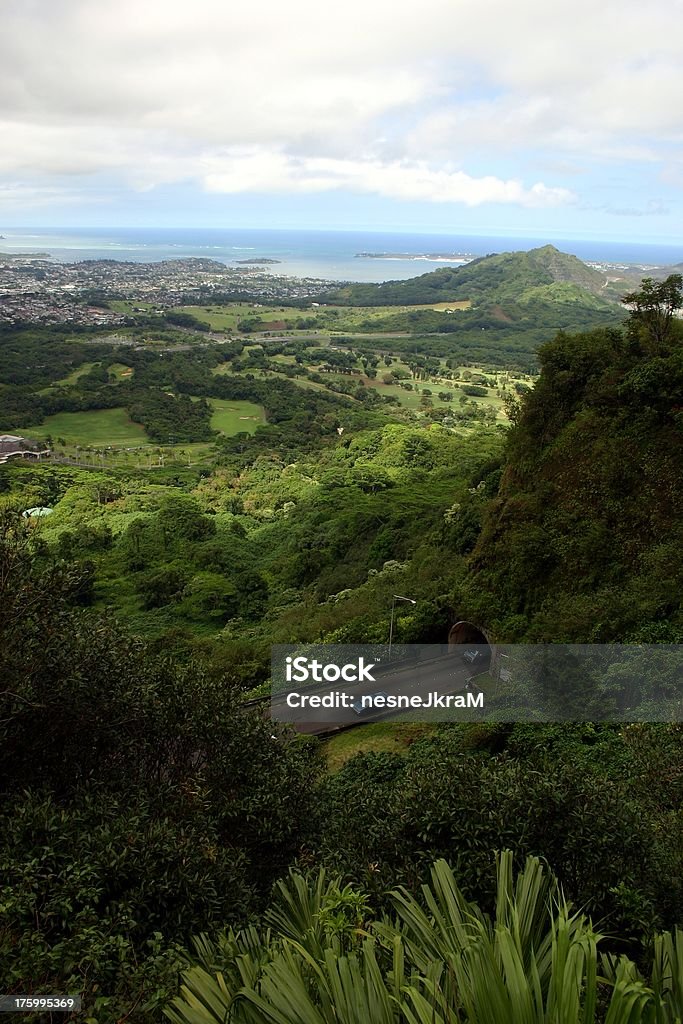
365	705
472	655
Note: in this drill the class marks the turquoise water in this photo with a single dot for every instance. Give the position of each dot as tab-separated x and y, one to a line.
324	254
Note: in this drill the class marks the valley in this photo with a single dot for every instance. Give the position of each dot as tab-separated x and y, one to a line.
220	477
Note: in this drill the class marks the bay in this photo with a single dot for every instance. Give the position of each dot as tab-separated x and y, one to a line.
332	255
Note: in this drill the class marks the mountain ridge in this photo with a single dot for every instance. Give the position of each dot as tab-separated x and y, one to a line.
495	278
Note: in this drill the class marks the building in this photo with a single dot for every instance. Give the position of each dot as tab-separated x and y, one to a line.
15	447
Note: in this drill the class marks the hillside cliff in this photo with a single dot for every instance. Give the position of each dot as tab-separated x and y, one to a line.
583	541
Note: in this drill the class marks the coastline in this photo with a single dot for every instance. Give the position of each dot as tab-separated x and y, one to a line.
355	256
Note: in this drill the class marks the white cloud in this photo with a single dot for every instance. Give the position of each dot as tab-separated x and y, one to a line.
275	172
395	100
19	194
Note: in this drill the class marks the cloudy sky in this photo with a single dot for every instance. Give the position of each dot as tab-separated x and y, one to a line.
474	116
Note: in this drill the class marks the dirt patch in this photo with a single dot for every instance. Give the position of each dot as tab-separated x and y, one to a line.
274	325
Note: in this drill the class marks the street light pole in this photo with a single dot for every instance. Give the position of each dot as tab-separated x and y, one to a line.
395	598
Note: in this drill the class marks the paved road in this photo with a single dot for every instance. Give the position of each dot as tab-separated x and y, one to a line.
445	675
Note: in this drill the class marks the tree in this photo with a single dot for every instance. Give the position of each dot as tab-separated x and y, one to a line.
140	801
653	308
161	586
180	516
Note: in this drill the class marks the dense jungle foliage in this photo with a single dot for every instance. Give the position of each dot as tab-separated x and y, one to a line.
583	541
143	803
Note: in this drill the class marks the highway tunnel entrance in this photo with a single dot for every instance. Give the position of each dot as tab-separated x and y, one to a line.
467	634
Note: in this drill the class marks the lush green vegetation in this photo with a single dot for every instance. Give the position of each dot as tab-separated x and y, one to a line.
439	958
141	804
508	276
134	797
144	804
583	541
513	297
263	549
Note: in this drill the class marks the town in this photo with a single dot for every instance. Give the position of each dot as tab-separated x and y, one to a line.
35	289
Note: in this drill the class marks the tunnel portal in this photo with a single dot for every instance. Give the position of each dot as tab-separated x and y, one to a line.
465	632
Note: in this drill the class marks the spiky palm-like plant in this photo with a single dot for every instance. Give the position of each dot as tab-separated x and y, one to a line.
439	960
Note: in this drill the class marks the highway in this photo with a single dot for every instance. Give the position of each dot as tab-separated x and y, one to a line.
444	675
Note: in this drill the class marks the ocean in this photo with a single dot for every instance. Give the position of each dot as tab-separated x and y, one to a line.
332	255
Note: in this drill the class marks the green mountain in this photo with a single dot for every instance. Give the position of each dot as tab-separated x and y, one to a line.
518	300
544	274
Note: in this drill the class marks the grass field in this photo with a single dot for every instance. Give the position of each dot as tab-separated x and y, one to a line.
232	417
80	371
121	306
72	378
225	318
338	318
95	427
412	399
375	737
311	385
349	319
285	360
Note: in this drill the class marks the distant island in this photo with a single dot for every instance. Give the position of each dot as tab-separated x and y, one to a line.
260	262
464	257
25	255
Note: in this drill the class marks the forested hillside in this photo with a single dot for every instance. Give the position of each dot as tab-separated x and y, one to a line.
517	298
583	542
141	806
276	543
144	803
511	277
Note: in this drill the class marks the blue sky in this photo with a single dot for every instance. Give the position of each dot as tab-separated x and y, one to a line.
467	116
